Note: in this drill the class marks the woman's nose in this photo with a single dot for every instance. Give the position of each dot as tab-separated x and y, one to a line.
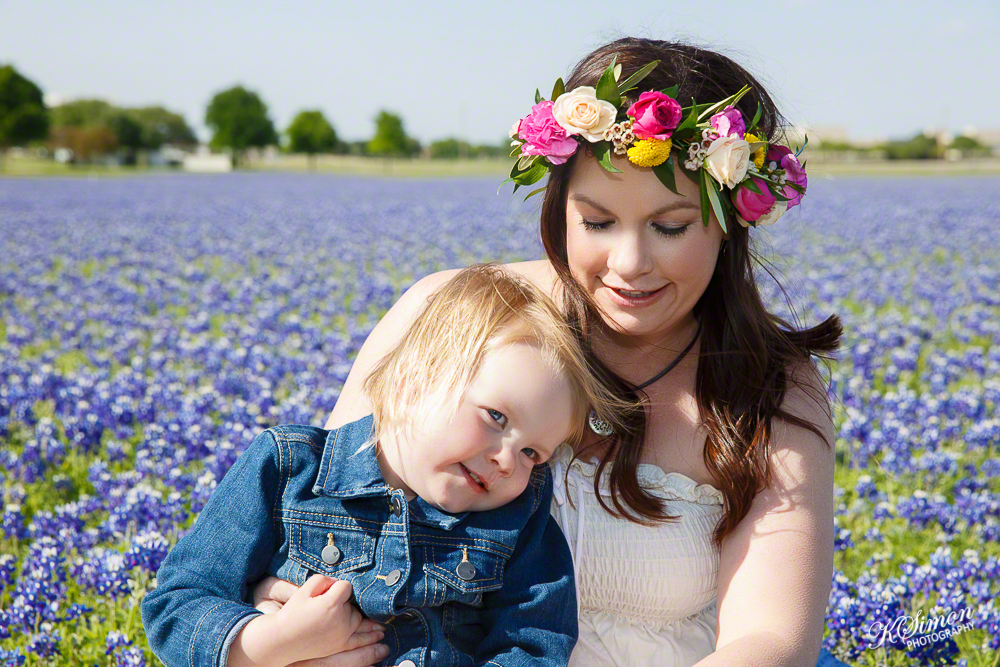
629	257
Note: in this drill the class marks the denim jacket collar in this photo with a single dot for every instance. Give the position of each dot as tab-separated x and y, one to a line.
345	472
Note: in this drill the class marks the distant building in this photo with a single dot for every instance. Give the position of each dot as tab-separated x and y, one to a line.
203	160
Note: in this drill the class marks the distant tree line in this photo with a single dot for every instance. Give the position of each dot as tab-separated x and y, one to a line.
917	147
237	117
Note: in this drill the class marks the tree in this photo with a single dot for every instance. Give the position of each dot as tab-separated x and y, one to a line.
160	126
390	137
81	113
920	147
23	116
310	133
238	120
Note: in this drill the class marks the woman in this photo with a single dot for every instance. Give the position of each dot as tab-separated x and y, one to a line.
704	533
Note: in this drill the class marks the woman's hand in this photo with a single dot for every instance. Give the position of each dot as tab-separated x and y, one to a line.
359	649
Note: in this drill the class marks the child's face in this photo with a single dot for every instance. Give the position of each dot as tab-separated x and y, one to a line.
516	411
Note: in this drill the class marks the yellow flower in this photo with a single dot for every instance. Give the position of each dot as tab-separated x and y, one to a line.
650	152
758	155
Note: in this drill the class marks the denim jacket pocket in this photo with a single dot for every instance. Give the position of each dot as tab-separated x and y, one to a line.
329	549
468	570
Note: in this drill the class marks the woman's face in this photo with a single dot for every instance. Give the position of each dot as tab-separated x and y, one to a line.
640	250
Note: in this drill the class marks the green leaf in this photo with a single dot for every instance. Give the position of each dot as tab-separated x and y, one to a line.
665	172
705	203
638	76
532	175
713	195
607	89
751	186
558	89
731	100
777	192
695	176
671	91
602	150
538	96
618	71
691	119
535	192
803	146
756	118
513	170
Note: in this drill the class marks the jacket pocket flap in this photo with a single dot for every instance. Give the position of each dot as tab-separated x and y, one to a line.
313	547
468	569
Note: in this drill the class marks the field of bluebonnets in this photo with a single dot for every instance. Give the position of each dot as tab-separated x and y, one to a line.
149	327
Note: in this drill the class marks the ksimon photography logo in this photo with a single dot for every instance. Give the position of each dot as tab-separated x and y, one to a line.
919	630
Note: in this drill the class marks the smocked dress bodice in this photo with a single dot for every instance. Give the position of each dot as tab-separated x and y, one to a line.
646	595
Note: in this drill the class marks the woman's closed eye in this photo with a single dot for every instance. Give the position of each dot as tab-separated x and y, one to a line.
665	230
497	416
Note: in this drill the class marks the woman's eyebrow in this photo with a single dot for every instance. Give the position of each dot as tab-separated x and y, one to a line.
673	206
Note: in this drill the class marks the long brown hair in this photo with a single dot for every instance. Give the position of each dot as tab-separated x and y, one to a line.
746	352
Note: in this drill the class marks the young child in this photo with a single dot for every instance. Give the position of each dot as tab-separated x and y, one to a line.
432	513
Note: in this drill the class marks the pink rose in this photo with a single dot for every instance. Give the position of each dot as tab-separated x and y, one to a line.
729	121
752	205
542	135
656	115
794	173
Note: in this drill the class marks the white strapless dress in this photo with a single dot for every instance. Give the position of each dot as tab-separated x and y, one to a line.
646	595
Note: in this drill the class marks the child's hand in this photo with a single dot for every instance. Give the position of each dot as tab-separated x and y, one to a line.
318	620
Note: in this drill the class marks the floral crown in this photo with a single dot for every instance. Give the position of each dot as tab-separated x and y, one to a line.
738	172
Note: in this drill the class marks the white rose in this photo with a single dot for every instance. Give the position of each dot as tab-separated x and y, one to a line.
580	112
772	216
727	160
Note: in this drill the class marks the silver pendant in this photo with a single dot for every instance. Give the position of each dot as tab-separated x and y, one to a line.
599	426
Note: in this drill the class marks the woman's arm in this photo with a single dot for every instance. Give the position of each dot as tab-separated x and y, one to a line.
775	569
352	404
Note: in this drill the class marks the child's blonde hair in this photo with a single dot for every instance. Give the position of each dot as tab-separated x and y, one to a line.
483	308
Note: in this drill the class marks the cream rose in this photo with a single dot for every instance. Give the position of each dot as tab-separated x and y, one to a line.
727	160
580	112
772	216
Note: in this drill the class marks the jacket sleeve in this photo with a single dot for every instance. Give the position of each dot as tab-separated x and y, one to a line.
193	614
532	619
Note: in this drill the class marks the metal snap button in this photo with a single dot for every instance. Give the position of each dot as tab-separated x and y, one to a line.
407	663
396	506
466	571
330	553
392	578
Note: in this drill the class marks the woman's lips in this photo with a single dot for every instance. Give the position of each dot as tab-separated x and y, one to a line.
633	298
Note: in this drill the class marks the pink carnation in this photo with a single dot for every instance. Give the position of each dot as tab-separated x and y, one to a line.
752	205
656	116
542	135
794	173
729	121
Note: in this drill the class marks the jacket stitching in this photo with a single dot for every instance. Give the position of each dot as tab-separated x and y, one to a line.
309	560
197	629
470	542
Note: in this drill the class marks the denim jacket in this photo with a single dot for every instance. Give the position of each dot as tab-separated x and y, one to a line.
475	588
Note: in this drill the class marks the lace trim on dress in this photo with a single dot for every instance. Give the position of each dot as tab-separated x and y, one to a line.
669	485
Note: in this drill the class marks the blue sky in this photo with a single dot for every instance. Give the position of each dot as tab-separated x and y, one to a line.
877	68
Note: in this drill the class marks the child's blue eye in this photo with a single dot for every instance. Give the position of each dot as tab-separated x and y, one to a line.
532	454
497	416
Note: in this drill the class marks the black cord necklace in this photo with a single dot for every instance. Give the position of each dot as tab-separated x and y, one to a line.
603	428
